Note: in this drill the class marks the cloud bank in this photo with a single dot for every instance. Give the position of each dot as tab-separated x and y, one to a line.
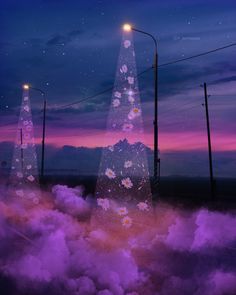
63	246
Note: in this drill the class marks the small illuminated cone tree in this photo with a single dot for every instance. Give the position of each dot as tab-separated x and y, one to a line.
24	171
123	173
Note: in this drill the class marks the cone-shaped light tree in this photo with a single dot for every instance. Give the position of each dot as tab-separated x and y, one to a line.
24	172
123	173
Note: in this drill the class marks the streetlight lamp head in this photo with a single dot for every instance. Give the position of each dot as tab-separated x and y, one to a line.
26	86
127	27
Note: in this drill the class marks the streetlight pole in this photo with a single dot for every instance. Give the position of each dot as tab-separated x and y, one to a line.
156	163
21	150
209	143
44	125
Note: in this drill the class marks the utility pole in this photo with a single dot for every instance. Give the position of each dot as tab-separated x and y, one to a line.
156	162
155	122
209	143
43	138
21	150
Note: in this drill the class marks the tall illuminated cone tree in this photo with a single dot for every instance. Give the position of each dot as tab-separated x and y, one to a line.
24	172
123	173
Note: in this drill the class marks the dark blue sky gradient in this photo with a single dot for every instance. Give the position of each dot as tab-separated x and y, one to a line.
70	50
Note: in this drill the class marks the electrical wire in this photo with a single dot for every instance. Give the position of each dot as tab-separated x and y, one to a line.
141	73
148	69
197	55
99	93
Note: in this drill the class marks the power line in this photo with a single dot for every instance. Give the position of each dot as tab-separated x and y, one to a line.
99	93
197	55
148	69
141	73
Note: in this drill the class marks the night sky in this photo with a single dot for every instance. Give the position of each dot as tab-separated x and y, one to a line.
70	50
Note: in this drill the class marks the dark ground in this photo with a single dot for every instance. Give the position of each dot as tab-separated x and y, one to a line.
180	191
186	191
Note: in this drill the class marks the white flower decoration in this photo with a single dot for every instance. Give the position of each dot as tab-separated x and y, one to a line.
32	195
104	203
28	167
127	183
143	206
111	148
117	94
128	164
131	99
24	146
36	201
27	136
116	102
127	127
26	108
26	98
31	178
20	193
127	43
130	80
126	221
130	92
135	112
110	173
19	174
28	128
124	69
122	211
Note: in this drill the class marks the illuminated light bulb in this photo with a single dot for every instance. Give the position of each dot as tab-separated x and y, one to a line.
26	86
127	27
